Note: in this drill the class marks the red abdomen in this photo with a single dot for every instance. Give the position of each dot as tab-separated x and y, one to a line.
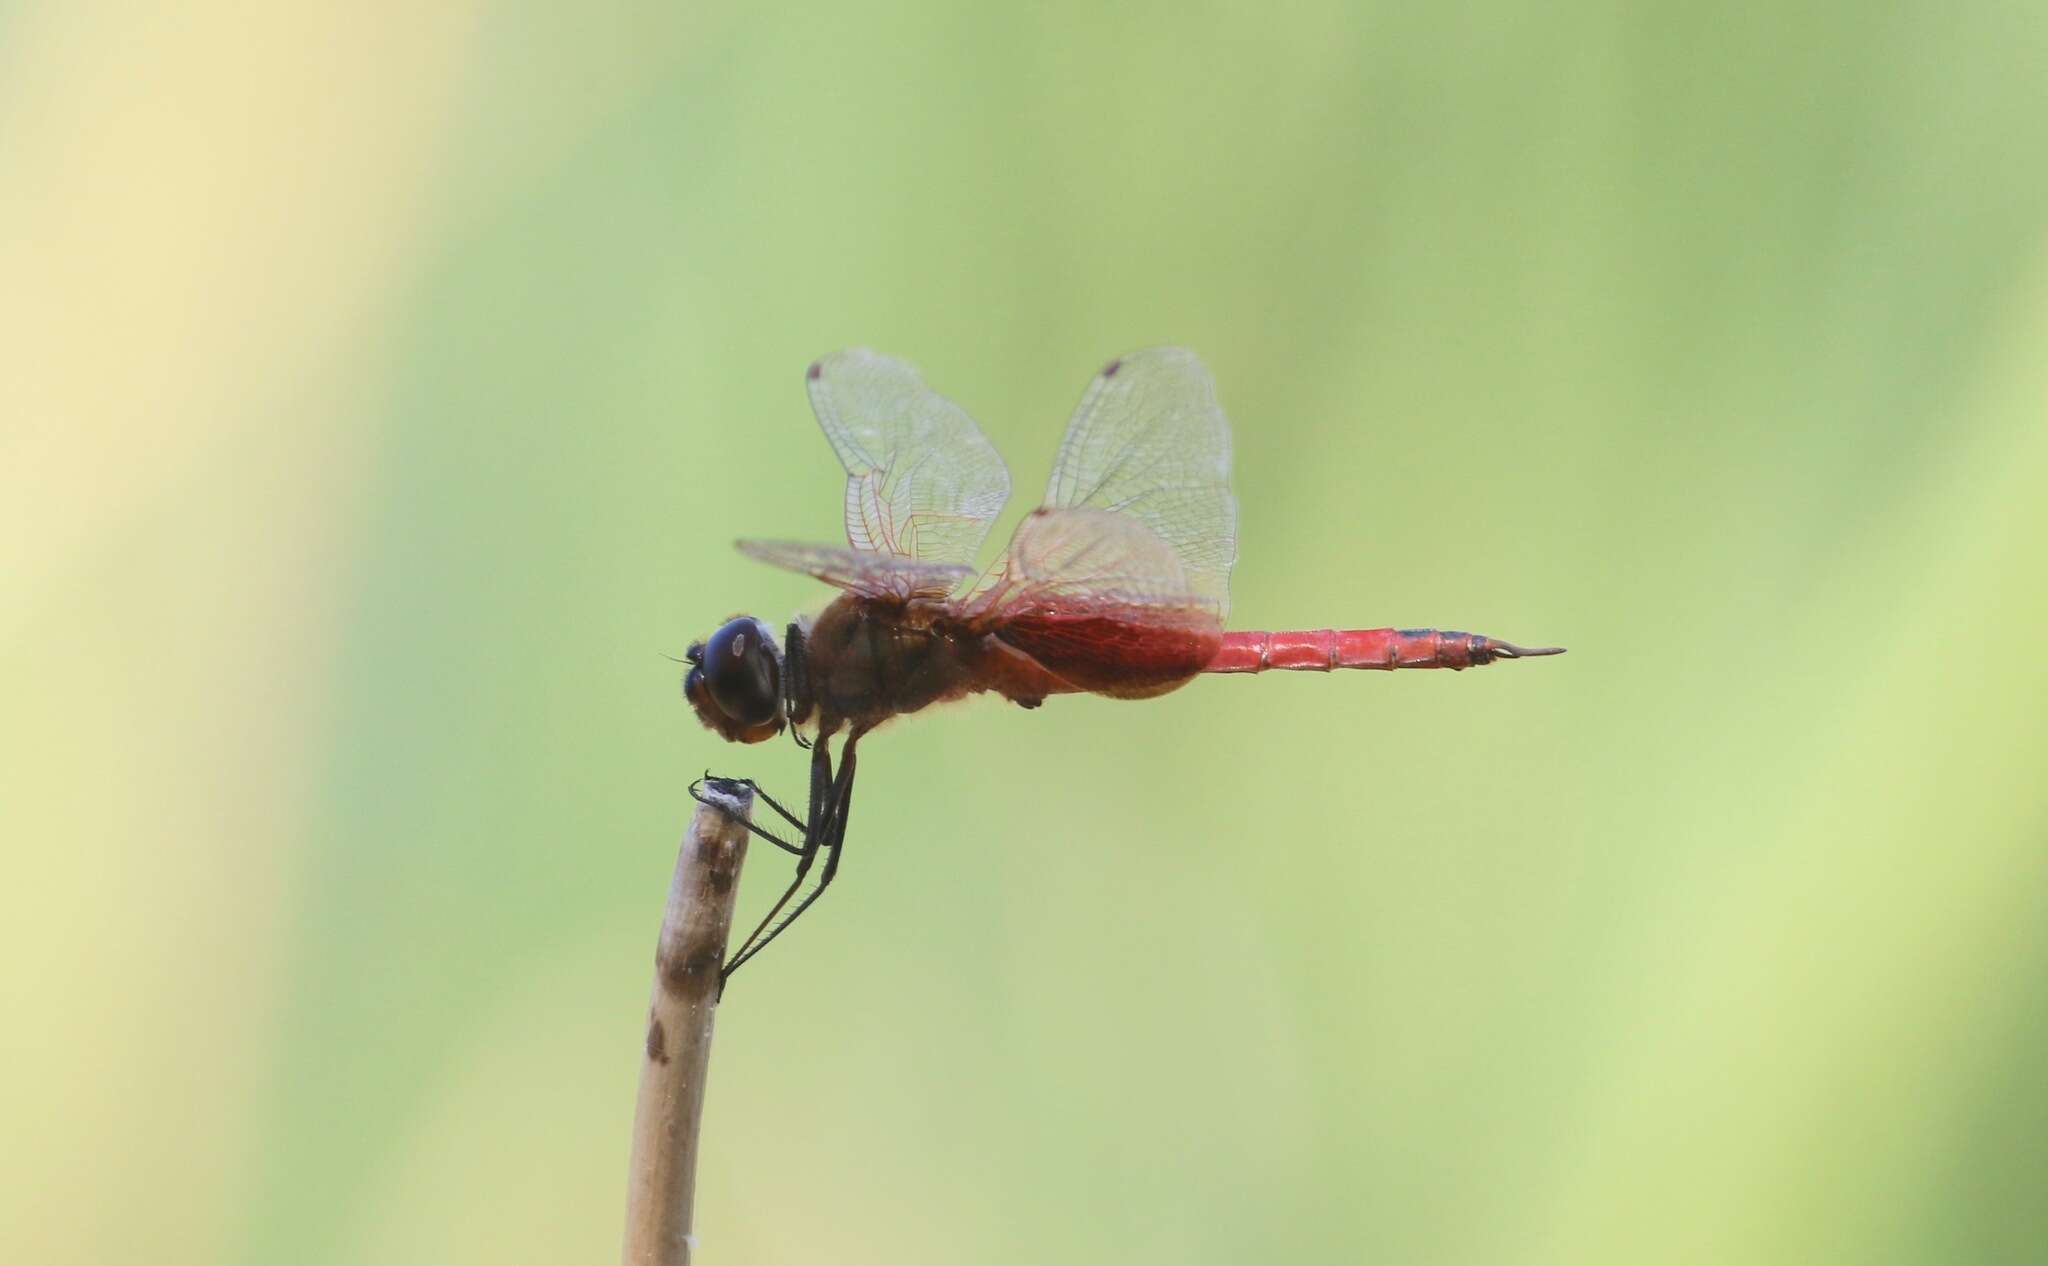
1322	650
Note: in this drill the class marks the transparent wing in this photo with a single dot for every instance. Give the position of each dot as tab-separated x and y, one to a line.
876	575
1075	561
1150	441
922	481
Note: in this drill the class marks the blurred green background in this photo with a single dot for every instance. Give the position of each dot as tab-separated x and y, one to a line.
381	386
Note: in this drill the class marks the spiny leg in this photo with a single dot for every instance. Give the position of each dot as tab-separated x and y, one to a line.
837	843
831	836
823	790
761	831
758	790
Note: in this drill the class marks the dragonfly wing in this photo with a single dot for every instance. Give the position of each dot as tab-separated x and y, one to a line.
922	481
871	574
1088	559
1149	441
1098	599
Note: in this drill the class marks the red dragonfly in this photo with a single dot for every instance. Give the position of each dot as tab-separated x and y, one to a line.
1117	585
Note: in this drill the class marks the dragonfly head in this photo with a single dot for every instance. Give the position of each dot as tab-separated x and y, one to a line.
735	681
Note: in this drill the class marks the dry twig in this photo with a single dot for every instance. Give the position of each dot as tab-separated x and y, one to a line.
662	1181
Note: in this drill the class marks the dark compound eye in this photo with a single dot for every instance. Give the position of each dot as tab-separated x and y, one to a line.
741	670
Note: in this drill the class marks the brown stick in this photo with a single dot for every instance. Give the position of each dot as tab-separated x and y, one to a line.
661	1184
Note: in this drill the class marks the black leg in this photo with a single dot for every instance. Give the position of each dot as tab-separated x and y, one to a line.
822	789
763	832
760	791
828	833
836	843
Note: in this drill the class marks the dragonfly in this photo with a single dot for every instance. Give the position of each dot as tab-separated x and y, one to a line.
1118	584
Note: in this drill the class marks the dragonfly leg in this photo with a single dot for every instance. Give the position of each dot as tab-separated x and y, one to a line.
758	790
828	823
822	787
763	832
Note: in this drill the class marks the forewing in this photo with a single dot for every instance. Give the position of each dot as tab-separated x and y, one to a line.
875	575
922	481
1149	440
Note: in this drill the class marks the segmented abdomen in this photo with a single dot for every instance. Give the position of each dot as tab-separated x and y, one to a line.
1321	650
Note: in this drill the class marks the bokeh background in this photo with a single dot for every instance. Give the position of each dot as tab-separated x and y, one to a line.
382	384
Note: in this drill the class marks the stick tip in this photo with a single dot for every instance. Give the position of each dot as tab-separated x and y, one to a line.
733	796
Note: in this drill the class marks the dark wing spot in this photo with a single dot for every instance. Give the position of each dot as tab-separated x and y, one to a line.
1109	370
816	371
657	1041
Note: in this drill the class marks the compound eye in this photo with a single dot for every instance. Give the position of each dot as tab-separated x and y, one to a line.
742	673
